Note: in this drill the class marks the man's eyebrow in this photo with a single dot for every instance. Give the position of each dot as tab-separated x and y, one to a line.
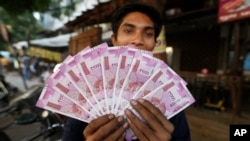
149	28
128	25
132	25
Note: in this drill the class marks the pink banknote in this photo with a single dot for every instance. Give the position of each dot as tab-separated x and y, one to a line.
109	63
56	102
157	79
124	63
73	73
170	72
103	79
162	74
90	67
171	98
57	66
141	70
63	85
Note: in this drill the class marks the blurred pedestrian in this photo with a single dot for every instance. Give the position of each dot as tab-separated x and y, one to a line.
35	65
25	64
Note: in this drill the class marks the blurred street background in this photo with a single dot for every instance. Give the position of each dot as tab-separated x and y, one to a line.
15	79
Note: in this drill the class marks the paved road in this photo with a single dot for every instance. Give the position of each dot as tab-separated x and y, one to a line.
15	79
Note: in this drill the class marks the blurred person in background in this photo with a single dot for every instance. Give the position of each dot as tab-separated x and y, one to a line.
25	61
34	67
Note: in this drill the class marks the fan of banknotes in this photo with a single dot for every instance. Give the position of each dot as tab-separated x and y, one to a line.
101	80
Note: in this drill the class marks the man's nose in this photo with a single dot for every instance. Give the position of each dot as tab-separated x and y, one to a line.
137	40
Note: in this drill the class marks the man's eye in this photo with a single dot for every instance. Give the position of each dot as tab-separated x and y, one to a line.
128	31
149	34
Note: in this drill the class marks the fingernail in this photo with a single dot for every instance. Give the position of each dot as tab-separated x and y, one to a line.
134	102
129	121
125	125
127	112
141	100
120	118
111	116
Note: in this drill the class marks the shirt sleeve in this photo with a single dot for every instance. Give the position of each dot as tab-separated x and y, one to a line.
73	130
181	132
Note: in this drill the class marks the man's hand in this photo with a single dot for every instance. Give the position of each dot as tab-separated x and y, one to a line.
107	127
155	128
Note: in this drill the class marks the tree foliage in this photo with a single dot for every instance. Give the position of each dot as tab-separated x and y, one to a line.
17	7
18	16
20	26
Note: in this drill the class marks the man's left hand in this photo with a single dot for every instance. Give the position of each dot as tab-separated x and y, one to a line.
155	127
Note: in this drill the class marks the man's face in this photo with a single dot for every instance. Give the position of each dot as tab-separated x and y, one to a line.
136	29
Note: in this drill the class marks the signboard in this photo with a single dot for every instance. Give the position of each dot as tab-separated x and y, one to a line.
46	54
231	10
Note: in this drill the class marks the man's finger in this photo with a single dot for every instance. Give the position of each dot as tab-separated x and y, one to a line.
97	123
141	130
157	114
118	134
147	115
109	128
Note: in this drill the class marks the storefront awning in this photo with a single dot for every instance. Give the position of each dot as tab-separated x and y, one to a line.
58	41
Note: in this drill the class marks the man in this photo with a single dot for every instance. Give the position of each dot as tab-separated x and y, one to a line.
137	25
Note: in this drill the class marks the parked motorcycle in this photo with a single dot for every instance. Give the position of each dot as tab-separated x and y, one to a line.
22	111
6	91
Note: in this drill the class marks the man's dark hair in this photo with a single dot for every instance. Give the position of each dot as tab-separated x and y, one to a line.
120	13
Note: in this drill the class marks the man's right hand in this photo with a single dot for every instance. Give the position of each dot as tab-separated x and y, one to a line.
107	127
